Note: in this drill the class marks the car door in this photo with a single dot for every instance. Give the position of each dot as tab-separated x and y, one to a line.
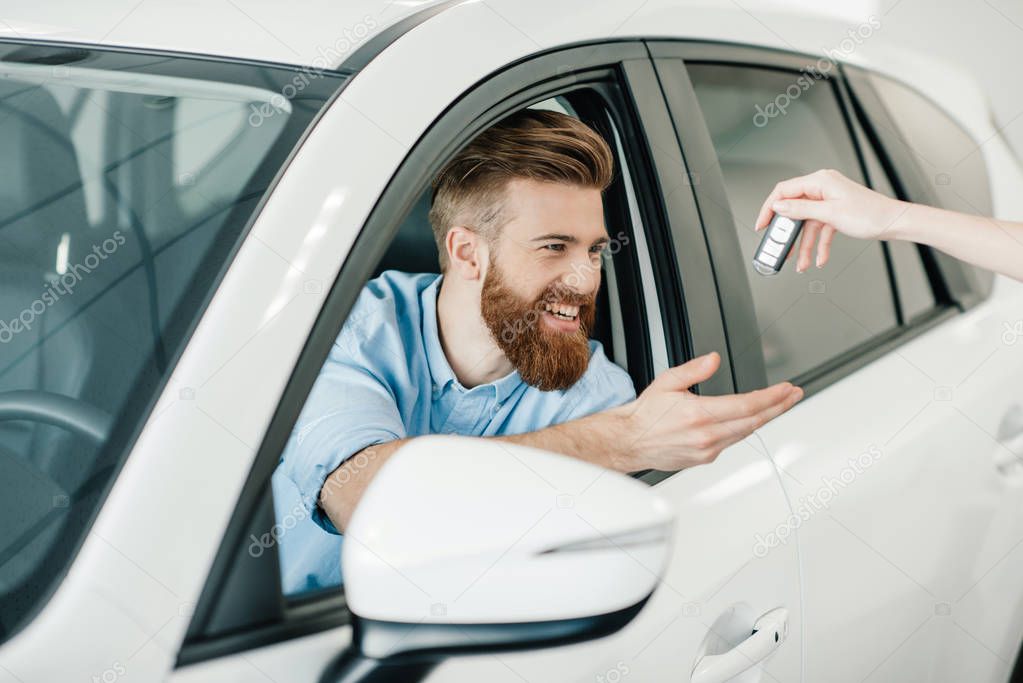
906	502
979	623
720	580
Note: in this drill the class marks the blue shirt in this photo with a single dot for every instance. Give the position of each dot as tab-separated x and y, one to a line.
387	378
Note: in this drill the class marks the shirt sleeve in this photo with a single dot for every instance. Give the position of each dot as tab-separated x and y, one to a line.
350	407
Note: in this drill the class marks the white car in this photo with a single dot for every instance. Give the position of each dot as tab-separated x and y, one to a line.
192	197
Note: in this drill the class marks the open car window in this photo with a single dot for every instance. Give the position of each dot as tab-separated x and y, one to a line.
309	555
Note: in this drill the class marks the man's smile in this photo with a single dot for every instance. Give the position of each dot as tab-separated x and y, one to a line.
561	317
562	311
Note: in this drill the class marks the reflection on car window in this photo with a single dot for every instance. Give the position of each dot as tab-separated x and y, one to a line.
766	127
123	194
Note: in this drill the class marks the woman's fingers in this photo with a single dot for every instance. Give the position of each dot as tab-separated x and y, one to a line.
809	186
824	246
806	242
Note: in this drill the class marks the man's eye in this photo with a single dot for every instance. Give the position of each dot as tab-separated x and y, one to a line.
557	246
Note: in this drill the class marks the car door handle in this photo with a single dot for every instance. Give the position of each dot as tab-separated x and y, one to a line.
768	634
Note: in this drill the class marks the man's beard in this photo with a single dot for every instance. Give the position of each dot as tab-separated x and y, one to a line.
545	358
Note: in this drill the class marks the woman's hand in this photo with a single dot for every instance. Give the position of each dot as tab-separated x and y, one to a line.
829	202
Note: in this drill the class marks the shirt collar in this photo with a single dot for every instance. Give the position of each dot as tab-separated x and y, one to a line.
440	370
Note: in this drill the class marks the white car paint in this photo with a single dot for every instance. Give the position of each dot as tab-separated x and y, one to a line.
580	540
128	595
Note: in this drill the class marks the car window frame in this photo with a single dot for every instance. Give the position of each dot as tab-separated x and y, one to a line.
866	146
957	284
738	313
623	64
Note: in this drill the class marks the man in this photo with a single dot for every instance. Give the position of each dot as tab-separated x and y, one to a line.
497	346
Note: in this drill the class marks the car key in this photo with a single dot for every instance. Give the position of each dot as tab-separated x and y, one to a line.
779	236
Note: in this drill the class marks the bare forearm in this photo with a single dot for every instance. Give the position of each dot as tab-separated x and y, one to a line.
344	486
986	242
596	439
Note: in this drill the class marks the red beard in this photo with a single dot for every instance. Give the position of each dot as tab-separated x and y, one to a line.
545	358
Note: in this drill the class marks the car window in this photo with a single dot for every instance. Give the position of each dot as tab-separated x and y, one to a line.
913	289
951	160
127	183
308	555
768	125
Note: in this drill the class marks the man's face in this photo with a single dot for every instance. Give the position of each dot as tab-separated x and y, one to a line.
539	291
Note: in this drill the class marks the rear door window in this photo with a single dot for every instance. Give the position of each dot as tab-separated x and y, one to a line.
766	127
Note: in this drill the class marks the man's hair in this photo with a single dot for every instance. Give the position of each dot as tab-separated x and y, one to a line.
535	144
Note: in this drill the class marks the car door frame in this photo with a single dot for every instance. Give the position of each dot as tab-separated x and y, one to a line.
955	290
957	287
229	587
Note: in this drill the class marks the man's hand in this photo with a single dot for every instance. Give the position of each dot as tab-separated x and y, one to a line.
829	203
666	428
669	428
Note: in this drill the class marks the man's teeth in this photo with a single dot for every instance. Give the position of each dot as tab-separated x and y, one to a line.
562	311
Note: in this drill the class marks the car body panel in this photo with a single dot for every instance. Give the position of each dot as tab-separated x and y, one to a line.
919	545
141	570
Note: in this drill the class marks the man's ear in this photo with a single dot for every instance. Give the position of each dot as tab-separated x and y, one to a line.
466	252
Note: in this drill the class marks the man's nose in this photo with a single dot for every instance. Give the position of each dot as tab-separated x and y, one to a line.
582	277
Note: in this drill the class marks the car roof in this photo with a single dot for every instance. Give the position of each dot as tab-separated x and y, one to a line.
321	34
317	34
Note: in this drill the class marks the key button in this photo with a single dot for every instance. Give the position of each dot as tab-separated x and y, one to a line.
782	229
773	248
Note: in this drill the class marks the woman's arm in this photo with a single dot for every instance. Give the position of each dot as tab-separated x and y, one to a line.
829	203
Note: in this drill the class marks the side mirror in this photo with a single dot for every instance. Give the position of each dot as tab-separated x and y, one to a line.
463	546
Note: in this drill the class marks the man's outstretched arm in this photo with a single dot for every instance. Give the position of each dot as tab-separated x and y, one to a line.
666	428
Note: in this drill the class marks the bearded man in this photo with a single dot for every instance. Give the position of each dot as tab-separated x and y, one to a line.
497	345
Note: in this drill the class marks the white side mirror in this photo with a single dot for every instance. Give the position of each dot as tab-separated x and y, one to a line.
525	546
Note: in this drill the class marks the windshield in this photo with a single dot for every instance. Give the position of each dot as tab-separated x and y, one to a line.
126	183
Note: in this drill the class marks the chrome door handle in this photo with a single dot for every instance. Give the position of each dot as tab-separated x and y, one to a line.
769	633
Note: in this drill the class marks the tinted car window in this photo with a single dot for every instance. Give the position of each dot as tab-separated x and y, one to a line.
767	127
128	180
949	157
913	289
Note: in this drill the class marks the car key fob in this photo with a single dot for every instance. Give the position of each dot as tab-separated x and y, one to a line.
779	236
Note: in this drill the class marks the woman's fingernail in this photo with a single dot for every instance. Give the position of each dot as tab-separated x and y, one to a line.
780	206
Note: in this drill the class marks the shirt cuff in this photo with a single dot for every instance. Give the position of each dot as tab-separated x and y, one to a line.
311	482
